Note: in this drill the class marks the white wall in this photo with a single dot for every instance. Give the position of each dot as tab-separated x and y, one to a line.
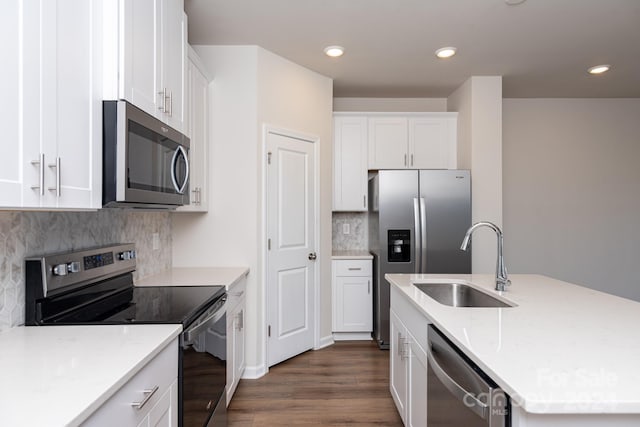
572	191
253	87
390	104
294	98
479	105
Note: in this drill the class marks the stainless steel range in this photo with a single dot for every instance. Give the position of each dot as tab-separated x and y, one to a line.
95	286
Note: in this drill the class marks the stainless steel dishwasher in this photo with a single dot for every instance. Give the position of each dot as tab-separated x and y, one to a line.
458	392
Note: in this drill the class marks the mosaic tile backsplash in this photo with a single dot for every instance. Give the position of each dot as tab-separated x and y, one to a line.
25	234
357	239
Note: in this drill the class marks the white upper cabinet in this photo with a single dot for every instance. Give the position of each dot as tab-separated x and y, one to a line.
432	142
197	112
146	57
416	141
388	143
53	80
350	163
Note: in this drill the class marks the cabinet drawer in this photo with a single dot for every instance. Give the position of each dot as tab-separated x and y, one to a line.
352	267
161	371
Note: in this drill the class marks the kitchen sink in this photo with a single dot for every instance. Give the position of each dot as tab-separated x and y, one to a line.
459	295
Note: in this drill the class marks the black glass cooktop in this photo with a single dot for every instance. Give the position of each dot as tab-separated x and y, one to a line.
172	304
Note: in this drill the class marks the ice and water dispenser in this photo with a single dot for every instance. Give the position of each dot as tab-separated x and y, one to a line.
399	246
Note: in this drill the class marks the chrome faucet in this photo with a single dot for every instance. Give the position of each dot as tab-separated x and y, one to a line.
502	280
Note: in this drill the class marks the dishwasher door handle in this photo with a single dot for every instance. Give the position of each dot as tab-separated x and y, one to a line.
479	408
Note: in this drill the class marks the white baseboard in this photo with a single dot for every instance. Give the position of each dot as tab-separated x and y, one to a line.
352	336
254	372
325	342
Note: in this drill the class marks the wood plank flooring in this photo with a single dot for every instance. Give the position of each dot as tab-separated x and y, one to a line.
344	384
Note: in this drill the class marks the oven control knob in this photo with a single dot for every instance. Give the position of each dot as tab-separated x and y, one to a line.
73	267
60	270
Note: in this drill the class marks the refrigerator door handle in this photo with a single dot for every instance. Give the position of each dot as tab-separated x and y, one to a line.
417	245
423	236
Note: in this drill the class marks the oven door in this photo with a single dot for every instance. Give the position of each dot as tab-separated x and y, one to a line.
203	359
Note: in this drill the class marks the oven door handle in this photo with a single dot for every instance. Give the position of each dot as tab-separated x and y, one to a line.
479	408
190	333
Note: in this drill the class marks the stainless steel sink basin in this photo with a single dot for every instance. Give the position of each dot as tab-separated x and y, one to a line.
459	295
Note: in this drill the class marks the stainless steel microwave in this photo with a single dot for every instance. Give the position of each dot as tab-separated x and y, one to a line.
145	163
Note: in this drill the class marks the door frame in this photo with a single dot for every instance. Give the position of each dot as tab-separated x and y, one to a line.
306	138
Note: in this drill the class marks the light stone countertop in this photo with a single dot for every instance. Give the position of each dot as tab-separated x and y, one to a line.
59	375
196	276
353	254
564	349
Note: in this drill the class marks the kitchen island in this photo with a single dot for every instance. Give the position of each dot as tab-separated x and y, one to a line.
60	375
566	355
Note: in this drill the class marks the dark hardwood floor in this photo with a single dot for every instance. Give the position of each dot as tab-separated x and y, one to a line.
344	384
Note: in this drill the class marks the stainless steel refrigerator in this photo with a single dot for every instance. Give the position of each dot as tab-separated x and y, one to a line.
417	220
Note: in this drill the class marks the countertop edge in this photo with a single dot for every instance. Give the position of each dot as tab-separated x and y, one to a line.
108	393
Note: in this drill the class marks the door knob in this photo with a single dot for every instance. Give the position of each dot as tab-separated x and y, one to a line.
312	256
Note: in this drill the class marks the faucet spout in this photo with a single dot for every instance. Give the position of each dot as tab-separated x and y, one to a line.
502	279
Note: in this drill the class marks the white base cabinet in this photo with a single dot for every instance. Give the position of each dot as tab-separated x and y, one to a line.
352	299
408	361
149	399
236	307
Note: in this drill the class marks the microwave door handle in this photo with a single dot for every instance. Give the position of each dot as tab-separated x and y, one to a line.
179	188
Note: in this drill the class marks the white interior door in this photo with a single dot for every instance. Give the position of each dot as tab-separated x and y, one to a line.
291	246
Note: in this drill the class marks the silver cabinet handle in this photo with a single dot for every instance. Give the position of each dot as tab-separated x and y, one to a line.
400	344
354	268
40	185
170	103
454	388
147	396
56	166
369	287
405	160
364	201
412	160
163	96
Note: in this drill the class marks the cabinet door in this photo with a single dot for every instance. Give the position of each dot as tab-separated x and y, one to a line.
398	365
10	77
173	61
165	412
432	143
197	129
235	348
354	305
239	351
417	384
350	164
72	95
139	61
388	138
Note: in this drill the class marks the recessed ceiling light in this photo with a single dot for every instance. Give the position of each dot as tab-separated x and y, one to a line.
514	2
599	69
334	51
446	52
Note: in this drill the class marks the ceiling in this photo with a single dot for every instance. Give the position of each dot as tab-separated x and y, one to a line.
542	48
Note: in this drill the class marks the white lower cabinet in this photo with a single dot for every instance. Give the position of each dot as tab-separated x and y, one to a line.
408	363
148	399
352	299
235	336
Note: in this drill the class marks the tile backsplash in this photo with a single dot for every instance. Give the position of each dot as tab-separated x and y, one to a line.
25	234
356	222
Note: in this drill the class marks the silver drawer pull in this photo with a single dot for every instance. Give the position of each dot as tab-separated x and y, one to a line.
148	394
354	268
